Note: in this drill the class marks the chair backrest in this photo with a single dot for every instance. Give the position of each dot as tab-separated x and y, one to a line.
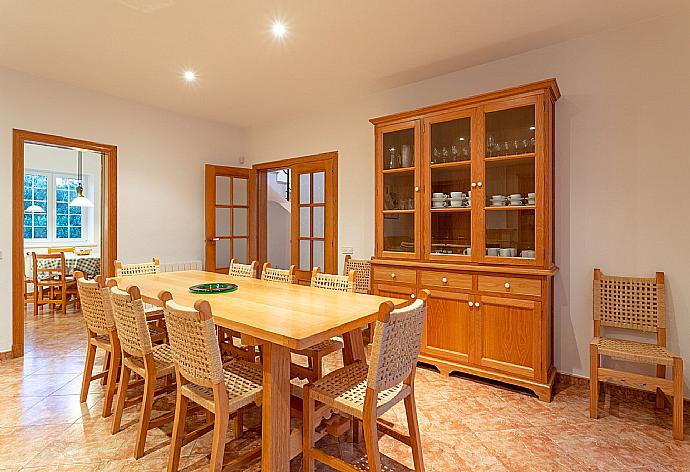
243	270
363	269
286	276
95	302
395	347
143	268
48	266
629	302
193	341
340	283
130	319
58	250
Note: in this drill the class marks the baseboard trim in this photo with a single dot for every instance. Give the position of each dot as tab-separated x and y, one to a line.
6	355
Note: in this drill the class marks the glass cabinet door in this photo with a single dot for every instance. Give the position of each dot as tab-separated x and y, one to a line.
510	187
399	199
448	146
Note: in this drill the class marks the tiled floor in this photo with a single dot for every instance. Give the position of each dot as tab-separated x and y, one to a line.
465	425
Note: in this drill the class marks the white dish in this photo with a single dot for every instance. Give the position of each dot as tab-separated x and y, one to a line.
456	194
492	251
498	204
516	203
438	195
516	196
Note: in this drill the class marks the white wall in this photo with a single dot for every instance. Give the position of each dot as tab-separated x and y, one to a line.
160	167
622	162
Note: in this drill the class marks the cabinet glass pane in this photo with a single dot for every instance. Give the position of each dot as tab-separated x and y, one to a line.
510	132
239	191
450	141
398	232
398	191
451	232
239	221
510	233
510	182
450	187
223	253
304	222
222	221
398	149
222	190
239	250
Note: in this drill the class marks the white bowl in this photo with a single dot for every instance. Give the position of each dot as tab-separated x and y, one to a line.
457	194
438	195
515	202
498	204
516	196
531	195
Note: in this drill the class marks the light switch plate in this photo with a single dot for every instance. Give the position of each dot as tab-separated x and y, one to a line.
347	250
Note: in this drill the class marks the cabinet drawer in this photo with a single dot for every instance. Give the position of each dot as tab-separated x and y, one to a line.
512	285
447	279
394	274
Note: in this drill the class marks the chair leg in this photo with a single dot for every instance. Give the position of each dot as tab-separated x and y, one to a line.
307	430
64	300
220	430
36	291
317	368
413	427
678	398
121	399
661	373
593	381
238	425
88	369
106	366
111	384
371	439
145	414
178	431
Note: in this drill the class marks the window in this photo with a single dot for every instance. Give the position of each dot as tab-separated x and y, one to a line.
59	221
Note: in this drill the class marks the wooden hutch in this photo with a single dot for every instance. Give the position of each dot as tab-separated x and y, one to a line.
487	257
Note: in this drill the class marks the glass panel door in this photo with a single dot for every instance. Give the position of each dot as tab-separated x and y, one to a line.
510	184
397	157
449	147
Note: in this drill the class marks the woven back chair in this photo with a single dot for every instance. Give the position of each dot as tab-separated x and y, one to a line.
285	276
143	268
634	303
363	269
243	270
141	356
101	334
203	378
340	283
367	392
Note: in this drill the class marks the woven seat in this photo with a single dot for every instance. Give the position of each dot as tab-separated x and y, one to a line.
633	351
367	392
102	334
204	379
639	304
139	354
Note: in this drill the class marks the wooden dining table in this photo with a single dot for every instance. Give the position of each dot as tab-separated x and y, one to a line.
282	317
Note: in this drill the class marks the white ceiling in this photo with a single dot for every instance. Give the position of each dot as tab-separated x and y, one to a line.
335	50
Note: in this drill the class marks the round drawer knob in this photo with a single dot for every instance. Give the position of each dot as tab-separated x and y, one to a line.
416	189
474	184
392	275
444	280
506	285
413	296
476	304
470	304
479	184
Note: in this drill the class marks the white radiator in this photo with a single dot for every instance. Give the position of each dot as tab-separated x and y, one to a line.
177	266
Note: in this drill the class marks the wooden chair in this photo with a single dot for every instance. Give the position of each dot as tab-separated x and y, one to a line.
243	270
315	354
226	337
285	276
52	285
139	355
143	268
637	304
61	250
203	379
367	392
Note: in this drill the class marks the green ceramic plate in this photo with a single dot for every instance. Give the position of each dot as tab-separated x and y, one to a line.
213	288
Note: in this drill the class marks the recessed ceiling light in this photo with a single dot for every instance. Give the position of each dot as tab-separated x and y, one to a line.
279	29
189	75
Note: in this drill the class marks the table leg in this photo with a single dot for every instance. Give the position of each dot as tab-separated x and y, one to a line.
353	350
275	421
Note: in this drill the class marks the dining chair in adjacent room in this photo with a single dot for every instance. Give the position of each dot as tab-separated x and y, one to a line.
52	285
638	304
139	355
222	389
63	250
367	391
231	341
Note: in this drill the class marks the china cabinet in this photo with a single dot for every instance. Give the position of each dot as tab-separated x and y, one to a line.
464	208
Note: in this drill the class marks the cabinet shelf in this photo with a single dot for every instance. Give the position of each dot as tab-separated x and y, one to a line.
398	170
393	212
510	207
443	165
450	209
509	157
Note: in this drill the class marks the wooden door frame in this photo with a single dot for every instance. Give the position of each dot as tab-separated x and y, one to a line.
108	216
262	169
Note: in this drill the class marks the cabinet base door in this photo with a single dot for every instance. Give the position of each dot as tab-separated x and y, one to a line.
510	334
446	332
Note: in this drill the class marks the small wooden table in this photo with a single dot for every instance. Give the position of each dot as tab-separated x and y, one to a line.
284	317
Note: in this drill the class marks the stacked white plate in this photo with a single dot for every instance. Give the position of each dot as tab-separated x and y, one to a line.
439	200
498	200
